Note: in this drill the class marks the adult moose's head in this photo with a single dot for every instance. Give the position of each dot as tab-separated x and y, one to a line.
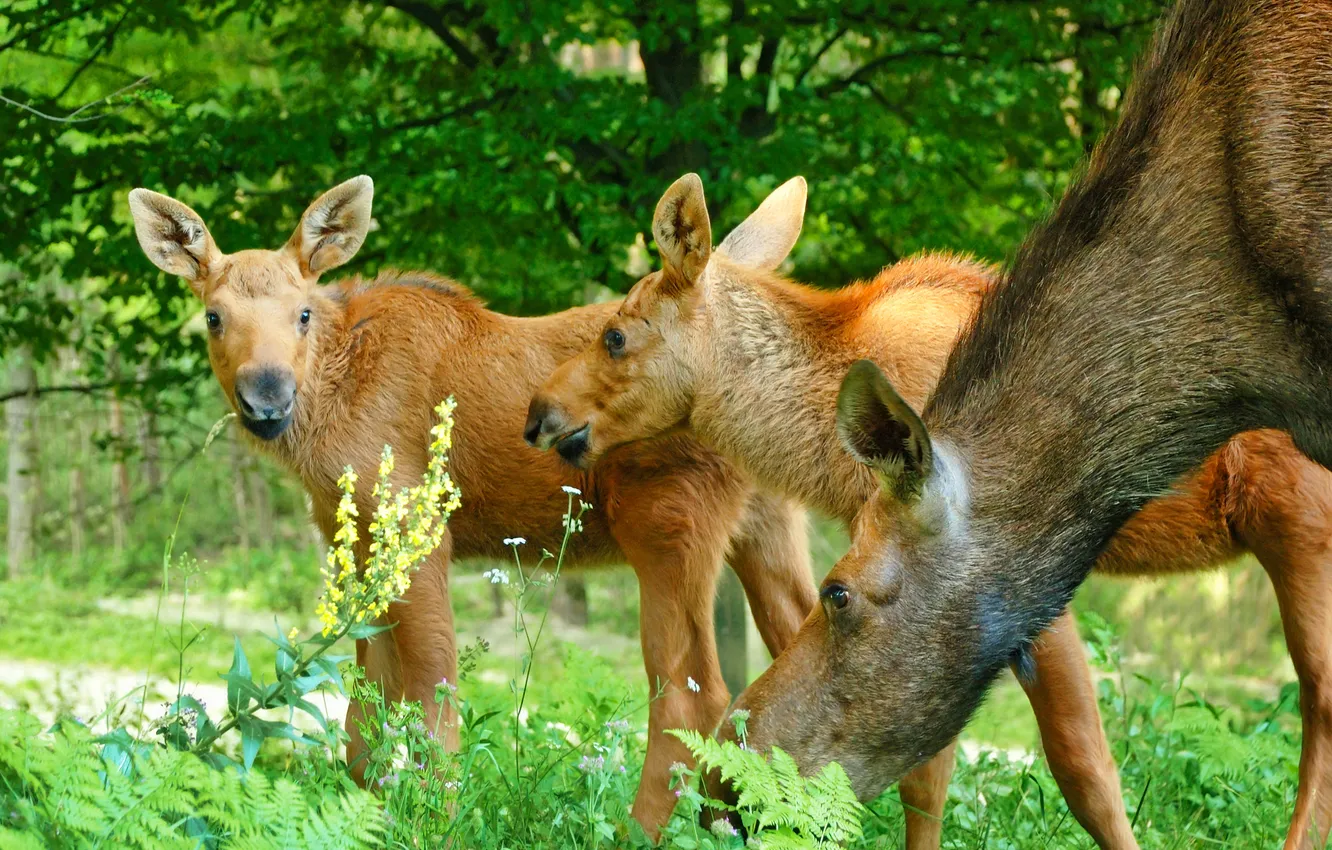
263	309
637	380
897	632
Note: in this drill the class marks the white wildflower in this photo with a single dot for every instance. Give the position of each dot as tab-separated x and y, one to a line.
572	491
496	576
514	541
693	686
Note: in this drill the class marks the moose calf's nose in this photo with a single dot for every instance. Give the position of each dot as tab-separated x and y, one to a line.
536	421
266	394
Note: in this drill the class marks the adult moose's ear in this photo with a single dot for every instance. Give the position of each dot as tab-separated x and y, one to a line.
682	229
763	240
882	431
174	237
333	228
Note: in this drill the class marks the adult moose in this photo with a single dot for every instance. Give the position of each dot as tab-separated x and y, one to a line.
324	376
1178	296
753	364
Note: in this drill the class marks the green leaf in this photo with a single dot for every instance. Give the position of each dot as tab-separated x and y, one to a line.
252	737
237	677
361	631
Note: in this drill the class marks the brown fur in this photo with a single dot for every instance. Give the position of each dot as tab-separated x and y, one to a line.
376	358
761	361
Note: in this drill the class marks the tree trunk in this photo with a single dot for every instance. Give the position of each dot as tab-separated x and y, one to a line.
120	478
78	487
21	426
673	71
732	632
570	602
260	501
150	458
238	461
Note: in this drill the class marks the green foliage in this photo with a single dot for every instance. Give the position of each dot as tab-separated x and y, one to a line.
778	806
66	788
521	147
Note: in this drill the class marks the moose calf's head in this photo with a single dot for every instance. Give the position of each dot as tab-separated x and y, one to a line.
637	380
261	307
898	653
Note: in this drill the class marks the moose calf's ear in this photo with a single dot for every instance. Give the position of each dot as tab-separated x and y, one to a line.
333	228
763	240
882	431
682	229
173	236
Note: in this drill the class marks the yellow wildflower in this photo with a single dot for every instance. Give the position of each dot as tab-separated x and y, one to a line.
406	527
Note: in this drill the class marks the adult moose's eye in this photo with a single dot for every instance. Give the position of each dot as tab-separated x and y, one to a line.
213	319
835	596
614	342
305	317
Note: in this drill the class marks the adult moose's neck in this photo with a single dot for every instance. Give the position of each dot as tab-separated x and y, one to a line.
766	392
1136	331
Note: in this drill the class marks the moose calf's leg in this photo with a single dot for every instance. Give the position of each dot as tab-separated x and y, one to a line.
770	555
924	792
378	657
426	645
1064	699
1306	606
678	646
1282	511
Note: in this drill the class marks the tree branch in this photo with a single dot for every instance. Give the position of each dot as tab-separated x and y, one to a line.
818	56
433	19
108	37
71	388
72	118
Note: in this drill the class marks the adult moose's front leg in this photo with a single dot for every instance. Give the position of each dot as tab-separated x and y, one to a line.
1064	699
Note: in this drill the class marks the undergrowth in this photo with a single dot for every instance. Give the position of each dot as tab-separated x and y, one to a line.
549	756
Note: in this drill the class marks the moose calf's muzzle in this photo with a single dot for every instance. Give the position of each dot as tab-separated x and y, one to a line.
265	398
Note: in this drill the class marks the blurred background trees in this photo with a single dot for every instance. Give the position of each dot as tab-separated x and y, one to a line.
518	147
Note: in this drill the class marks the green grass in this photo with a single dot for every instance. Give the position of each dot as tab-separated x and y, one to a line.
1208	764
63	627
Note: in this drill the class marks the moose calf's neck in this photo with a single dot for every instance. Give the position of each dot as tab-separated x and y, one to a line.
775	353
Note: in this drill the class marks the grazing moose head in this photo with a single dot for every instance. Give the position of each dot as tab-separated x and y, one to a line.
261	305
897	633
638	380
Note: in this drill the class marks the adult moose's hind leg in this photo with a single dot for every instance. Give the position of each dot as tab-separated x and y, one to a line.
1064	699
770	554
1280	506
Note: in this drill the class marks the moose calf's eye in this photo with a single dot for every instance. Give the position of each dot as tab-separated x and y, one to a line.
614	340
213	319
835	595
305	317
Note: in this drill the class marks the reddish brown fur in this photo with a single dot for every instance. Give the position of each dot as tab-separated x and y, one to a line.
774	417
379	355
